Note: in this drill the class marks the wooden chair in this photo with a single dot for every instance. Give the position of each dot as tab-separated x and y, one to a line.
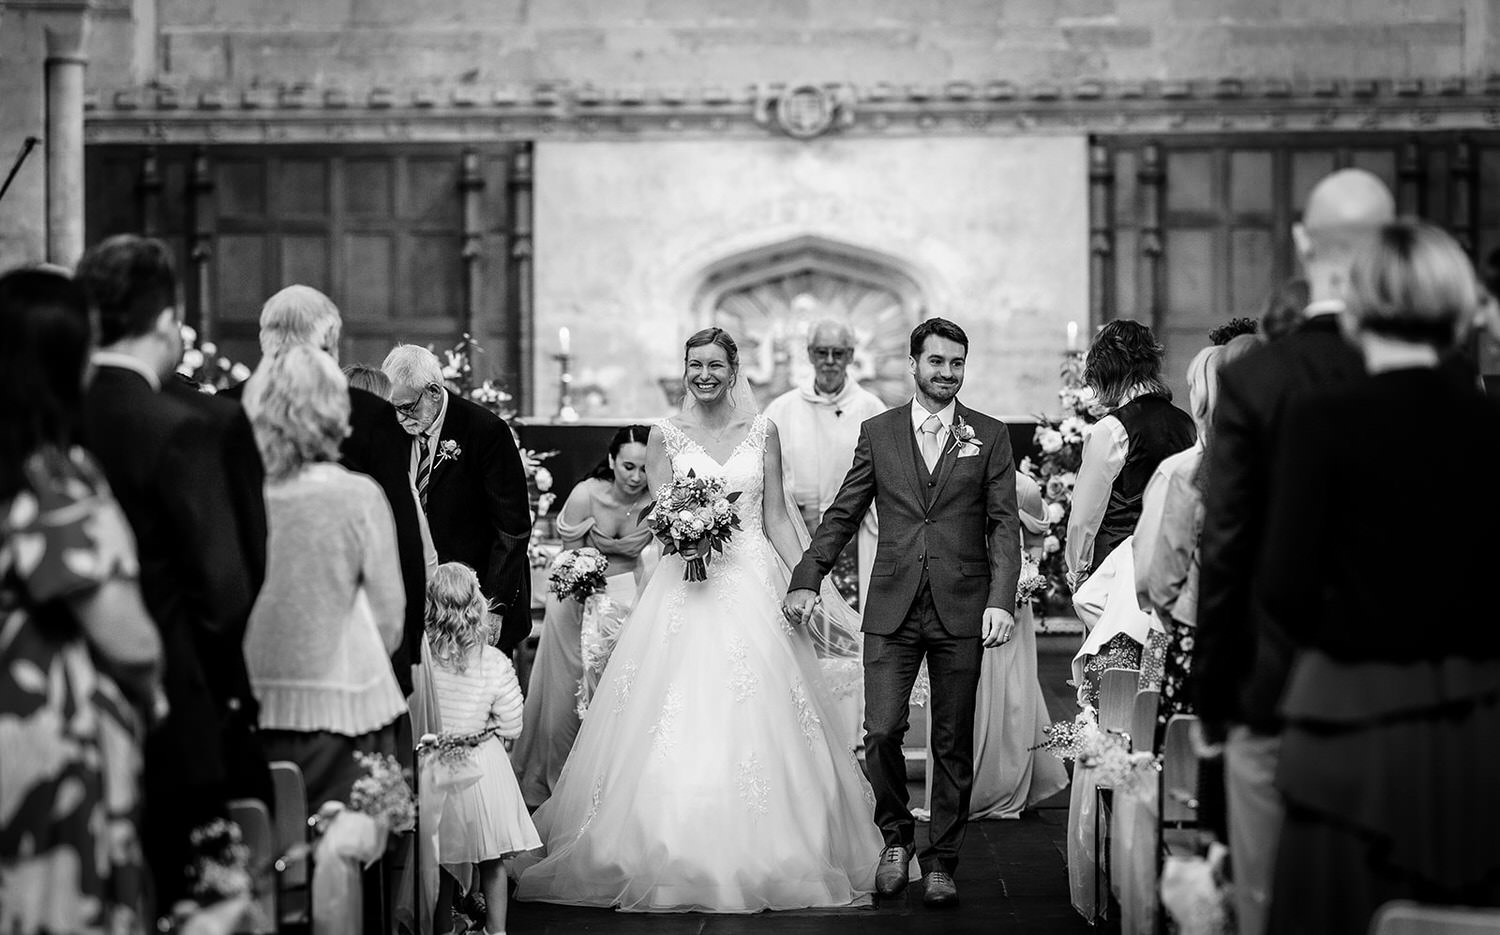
1403	917
1117	688
294	860
1143	721
1117	697
255	829
1408	918
1179	776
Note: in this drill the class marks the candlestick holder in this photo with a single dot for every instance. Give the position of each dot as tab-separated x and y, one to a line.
565	410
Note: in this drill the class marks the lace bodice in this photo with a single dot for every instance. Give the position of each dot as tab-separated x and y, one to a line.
744	470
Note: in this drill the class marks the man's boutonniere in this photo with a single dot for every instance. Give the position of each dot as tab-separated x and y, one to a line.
964	438
448	451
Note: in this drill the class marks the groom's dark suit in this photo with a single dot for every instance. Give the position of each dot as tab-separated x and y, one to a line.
949	548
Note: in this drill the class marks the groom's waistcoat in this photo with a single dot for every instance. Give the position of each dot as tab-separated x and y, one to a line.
956	525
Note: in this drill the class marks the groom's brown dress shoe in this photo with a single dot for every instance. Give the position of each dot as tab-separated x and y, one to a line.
890	876
940	890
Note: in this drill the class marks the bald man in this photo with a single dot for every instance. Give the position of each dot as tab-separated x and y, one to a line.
1240	661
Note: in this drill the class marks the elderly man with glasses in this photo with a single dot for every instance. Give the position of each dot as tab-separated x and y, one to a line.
819	425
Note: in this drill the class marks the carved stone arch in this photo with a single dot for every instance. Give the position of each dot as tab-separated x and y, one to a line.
769	296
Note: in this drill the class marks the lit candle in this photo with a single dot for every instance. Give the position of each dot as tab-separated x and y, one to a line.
1072	336
564	341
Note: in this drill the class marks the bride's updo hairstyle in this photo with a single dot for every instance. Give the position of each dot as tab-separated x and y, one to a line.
715	336
1413	283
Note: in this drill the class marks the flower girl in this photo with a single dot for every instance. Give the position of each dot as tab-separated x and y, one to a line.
468	701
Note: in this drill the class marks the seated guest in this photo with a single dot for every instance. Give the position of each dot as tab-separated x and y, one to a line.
1387	765
331	611
1120	454
164	463
74	622
601	512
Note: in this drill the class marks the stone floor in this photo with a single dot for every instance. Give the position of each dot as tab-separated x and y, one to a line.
1012	879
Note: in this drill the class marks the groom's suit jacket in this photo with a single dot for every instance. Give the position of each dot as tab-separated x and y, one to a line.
959	523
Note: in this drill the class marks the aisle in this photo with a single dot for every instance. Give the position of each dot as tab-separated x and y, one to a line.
1012	879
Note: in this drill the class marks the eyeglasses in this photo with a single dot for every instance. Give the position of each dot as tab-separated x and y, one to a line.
836	354
409	410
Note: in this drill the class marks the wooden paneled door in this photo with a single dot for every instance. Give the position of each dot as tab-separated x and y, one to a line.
414	243
1189	232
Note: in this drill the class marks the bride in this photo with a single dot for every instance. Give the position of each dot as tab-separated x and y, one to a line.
709	773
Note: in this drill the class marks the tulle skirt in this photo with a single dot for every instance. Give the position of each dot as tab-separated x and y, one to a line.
487	819
711	772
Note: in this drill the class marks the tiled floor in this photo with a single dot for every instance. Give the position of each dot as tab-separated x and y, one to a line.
1012	879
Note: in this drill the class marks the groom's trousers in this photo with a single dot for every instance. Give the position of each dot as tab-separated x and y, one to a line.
891	663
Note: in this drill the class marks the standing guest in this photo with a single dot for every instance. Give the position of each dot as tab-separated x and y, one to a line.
819	426
249	775
375	446
471	689
72	618
331	611
1166	537
1387	762
602	512
466	468
1121	452
164	464
1241	659
369	379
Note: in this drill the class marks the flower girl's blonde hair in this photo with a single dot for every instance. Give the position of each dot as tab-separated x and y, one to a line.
457	615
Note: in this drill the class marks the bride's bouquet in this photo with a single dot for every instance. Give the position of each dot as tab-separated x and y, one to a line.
577	573
693	510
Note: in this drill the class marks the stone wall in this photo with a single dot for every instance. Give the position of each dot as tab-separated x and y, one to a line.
624	231
731	43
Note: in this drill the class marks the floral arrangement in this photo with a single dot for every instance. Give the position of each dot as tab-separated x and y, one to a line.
1060	442
206	367
1107	753
578	573
220	868
453	749
458	370
383	793
693	509
1030	588
538	481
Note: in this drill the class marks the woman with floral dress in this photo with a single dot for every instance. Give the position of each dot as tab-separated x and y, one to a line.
79	656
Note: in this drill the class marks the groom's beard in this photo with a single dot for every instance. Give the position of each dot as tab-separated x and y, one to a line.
941	392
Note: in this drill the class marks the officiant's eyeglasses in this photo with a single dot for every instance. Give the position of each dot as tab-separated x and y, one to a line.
836	354
410	409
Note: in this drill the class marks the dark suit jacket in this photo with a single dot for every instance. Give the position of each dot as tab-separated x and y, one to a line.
378	447
960	524
1241	660
479	511
162	460
1343	568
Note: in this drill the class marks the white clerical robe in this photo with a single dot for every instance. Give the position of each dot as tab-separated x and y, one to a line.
818	435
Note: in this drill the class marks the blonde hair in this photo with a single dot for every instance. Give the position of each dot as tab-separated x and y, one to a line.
298	403
299	315
1413	283
457	615
369	379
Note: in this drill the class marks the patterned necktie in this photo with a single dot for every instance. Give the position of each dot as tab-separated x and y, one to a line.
931	450
424	468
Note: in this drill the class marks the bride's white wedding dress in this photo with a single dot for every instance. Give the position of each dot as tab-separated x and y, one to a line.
709	773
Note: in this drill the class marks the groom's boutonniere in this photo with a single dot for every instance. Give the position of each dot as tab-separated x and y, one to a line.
964	439
448	451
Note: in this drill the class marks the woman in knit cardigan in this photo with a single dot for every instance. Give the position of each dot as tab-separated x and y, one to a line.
319	640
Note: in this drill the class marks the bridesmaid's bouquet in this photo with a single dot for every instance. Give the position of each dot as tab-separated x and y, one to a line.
693	510
578	573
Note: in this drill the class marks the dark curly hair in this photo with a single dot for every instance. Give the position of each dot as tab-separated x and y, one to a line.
1125	356
1232	329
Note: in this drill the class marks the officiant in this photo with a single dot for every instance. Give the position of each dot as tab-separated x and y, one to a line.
819	426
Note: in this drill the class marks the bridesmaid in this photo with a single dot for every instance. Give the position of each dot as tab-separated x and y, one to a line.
602	512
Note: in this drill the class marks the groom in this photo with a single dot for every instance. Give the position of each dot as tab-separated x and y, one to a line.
943	585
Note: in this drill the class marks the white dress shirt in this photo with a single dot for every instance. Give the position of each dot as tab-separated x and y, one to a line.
919	415
434	433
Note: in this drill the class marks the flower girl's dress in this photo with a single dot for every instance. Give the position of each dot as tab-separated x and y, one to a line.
709	773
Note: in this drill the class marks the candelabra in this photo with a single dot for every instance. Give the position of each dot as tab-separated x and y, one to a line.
564	358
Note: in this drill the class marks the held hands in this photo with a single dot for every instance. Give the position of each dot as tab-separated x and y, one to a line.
998	626
798	606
